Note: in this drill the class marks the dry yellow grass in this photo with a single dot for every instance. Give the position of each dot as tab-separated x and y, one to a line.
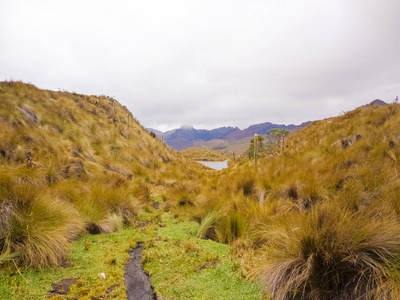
204	154
70	162
334	193
317	222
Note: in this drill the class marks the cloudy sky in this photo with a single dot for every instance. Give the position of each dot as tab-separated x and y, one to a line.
208	63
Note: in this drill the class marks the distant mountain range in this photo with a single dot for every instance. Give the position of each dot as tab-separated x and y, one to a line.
186	137
226	139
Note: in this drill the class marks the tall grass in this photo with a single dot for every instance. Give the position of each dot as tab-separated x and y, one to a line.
331	254
35	228
319	222
207	229
87	169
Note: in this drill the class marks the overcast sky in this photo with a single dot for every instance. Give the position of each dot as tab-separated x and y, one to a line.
209	63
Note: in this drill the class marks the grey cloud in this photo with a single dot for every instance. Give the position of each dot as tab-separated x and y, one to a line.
209	63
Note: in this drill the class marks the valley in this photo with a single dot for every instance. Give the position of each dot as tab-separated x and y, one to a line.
226	139
82	183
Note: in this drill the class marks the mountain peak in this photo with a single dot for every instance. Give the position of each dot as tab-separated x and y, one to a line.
186	126
378	102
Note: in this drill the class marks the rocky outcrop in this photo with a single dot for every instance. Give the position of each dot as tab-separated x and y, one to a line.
348	141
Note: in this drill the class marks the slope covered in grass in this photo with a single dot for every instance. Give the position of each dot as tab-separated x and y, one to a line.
70	163
204	154
321	220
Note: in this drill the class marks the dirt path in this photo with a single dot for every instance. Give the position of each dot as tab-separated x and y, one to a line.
137	282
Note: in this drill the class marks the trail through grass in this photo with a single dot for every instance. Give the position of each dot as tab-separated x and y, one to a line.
181	266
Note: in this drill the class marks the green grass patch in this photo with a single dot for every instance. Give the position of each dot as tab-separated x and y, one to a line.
90	256
181	266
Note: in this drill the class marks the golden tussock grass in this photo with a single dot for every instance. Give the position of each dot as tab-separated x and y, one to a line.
70	162
328	253
320	220
204	154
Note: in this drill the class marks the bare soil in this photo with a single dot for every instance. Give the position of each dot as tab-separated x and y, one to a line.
137	282
62	287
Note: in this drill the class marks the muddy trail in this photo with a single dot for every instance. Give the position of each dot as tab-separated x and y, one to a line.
137	282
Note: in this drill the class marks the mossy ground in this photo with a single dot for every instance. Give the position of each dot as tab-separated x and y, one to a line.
181	266
184	267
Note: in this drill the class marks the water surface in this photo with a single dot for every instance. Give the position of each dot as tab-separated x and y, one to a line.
217	165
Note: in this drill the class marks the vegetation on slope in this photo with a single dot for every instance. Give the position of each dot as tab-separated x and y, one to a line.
319	221
204	154
71	163
238	147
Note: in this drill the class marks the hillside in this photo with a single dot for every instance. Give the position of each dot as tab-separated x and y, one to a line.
80	186
239	147
204	154
320	221
71	163
185	137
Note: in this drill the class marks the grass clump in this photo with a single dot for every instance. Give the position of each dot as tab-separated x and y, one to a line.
206	229
35	227
331	254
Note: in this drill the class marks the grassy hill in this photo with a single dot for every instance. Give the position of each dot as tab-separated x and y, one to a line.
82	183
226	139
321	220
239	143
239	147
71	163
204	154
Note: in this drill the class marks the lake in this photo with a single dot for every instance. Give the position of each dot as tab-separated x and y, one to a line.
217	165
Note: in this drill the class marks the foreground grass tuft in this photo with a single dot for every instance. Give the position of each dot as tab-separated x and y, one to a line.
329	254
